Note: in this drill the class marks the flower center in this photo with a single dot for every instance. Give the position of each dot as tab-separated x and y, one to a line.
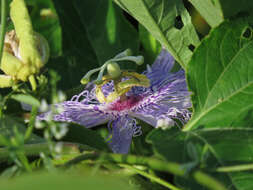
125	104
123	80
121	87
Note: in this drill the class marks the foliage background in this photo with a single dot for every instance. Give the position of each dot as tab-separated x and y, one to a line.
214	150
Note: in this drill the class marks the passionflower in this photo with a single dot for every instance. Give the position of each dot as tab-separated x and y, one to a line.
158	97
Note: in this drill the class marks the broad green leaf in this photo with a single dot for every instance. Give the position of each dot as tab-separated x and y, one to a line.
42	181
102	24
168	21
243	180
78	55
215	147
108	31
82	135
216	11
220	77
27	99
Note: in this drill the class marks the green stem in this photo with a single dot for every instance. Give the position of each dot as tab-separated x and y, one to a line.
151	177
237	168
31	123
3	27
36	149
207	181
152	163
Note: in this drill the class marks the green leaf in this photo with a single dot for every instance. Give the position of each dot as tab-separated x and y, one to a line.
51	181
168	21
92	33
27	99
243	180
102	23
82	135
108	31
215	147
7	125
220	76
216	11
78	55
150	45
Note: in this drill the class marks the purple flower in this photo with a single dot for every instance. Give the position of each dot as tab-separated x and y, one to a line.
164	102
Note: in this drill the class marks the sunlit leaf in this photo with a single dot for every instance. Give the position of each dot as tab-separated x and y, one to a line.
220	77
168	21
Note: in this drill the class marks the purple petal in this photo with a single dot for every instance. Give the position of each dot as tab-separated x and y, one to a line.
171	100
123	129
161	68
167	98
87	115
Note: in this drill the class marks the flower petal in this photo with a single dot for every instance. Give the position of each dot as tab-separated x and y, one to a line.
160	69
87	115
167	98
171	100
123	129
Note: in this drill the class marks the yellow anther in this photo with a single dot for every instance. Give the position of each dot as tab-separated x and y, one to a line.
121	87
135	79
100	95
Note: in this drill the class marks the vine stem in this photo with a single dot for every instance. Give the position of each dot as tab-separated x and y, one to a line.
3	27
151	177
152	163
237	168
